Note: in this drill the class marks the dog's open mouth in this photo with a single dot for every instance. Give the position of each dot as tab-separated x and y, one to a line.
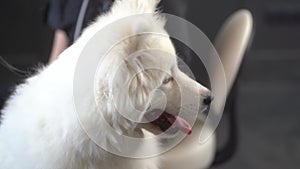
169	123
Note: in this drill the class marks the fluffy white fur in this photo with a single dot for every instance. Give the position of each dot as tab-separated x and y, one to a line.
39	127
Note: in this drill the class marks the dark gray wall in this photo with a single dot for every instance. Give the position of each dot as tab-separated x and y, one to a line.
268	95
24	36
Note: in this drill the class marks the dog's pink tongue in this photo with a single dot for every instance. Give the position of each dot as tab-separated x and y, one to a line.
181	124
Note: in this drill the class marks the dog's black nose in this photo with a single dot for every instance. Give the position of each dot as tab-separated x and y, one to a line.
208	100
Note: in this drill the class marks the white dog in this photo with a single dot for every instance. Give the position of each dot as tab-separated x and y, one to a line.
40	129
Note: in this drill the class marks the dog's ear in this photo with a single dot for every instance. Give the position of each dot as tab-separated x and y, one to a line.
135	66
139	79
130	88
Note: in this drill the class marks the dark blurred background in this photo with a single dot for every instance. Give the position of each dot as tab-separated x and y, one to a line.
267	96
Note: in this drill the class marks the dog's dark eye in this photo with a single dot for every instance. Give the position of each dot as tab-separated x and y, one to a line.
170	79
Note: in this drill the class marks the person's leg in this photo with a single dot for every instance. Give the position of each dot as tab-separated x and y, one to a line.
60	43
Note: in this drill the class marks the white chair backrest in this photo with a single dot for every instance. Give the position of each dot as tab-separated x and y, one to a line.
232	41
231	44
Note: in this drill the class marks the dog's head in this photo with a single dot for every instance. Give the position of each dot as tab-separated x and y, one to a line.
145	87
